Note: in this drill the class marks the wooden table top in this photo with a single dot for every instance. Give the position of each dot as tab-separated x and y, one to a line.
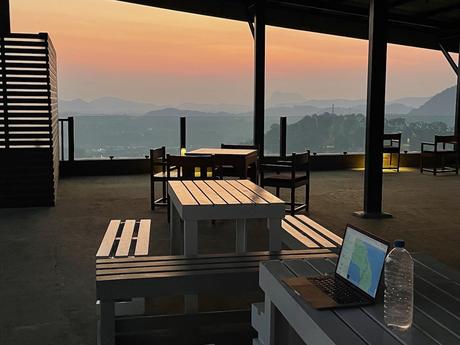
436	306
221	193
218	151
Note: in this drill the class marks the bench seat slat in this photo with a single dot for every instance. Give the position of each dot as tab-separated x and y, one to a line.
298	236
322	241
213	257
126	238
169	274
143	237
107	242
179	263
315	226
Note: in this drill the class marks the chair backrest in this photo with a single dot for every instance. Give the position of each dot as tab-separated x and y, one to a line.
445	140
192	167
157	158
300	162
238	146
392	136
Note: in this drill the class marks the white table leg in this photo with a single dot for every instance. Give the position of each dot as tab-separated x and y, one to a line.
241	235
175	231
190	237
274	234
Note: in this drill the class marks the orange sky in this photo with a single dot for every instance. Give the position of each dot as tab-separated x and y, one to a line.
111	48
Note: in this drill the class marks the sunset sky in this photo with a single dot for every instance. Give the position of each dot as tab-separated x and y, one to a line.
111	48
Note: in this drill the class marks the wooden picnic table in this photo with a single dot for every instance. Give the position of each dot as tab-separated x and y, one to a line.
436	309
239	159
239	200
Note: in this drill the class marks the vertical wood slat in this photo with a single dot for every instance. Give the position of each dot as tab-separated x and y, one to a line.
109	238
143	237
126	238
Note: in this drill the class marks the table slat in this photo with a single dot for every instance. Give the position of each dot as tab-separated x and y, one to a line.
257	199
210	193
143	237
182	193
197	194
126	237
261	192
109	238
235	192
226	196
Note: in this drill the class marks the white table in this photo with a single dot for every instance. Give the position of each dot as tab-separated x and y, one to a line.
436	309
239	200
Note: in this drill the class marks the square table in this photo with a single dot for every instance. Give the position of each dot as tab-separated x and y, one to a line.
436	309
196	200
240	159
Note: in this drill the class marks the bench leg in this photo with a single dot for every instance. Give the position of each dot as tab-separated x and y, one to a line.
190	238
191	304
274	234
107	323
175	231
241	235
270	312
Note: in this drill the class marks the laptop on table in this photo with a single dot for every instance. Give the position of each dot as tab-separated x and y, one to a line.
357	274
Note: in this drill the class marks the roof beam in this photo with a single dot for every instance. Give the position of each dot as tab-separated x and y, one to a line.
5	27
449	58
440	10
397	3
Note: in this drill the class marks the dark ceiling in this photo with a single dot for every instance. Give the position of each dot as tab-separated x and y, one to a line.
418	23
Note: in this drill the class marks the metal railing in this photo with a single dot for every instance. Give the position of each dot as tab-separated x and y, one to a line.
67	147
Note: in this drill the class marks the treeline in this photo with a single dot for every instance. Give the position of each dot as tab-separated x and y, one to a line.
338	133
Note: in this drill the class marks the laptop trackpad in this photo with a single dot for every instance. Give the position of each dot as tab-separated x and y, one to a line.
310	293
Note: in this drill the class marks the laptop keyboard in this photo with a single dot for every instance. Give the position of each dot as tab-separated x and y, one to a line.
338	290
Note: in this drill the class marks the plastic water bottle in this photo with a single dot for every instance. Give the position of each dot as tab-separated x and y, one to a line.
399	287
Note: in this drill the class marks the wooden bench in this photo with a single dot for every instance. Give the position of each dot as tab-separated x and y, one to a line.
155	276
300	232
128	238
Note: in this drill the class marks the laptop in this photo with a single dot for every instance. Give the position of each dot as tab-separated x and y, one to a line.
357	274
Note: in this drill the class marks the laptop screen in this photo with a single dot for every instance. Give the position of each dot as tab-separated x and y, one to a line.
361	260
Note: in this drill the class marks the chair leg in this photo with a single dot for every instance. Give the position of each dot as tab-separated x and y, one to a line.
292	201
152	193
164	190
307	196
399	160
421	162
278	191
169	210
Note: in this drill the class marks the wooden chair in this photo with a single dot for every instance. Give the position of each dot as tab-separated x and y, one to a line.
191	167
158	173
253	171
290	172
392	145
194	167
444	150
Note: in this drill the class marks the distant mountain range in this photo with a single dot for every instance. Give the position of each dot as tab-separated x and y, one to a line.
441	104
279	104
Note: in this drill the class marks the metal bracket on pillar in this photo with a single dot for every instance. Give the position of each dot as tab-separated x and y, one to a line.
449	58
250	18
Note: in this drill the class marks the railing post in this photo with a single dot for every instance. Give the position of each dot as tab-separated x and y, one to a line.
283	137
71	138
182	135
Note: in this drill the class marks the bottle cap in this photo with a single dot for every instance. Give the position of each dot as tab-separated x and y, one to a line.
399	243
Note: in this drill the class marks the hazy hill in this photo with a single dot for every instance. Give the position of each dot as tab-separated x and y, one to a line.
442	104
105	106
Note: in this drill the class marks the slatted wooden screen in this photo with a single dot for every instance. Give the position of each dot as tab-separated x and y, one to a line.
29	144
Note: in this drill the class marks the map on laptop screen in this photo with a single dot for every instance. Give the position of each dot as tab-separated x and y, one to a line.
361	260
